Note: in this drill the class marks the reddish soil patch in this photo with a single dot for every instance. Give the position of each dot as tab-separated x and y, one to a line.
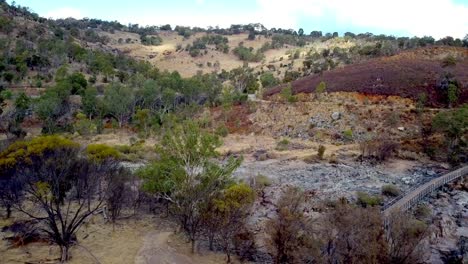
407	74
236	119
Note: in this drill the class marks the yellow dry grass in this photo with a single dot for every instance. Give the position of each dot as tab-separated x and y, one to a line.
142	239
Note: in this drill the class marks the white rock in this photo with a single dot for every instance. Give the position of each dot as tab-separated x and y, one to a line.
401	128
336	115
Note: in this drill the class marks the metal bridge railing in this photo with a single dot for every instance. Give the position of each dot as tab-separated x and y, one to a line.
416	194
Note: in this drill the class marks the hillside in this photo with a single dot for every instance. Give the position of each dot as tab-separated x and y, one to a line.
160	144
407	74
34	48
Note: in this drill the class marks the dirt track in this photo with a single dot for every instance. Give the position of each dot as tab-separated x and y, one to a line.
155	250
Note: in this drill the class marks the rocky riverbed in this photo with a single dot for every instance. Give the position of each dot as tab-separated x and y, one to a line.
331	181
449	243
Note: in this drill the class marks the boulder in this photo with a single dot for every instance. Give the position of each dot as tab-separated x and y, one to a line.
336	116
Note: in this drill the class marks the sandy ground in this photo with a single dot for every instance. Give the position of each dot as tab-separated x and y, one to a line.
141	240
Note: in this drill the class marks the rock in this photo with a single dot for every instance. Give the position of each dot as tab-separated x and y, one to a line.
401	128
260	155
336	115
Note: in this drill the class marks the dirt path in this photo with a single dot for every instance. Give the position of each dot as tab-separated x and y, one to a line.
155	250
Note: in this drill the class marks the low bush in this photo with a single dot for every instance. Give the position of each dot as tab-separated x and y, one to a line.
321	151
287	94
348	135
283	144
449	61
222	131
366	200
422	212
390	190
261	181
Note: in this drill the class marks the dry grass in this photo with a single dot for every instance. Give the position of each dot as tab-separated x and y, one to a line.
124	244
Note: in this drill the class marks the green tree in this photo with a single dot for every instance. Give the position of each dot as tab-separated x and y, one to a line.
228	214
51	106
2	100
300	32
91	105
454	125
22	105
78	83
187	176
268	80
142	120
119	102
287	94
452	95
243	79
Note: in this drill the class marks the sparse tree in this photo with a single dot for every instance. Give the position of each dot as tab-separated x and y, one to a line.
454	125
187	176
354	235
119	102
229	212
405	238
290	236
64	186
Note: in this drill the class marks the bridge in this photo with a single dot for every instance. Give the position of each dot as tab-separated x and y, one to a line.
407	200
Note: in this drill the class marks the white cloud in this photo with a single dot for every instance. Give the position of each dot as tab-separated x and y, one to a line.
417	17
64	12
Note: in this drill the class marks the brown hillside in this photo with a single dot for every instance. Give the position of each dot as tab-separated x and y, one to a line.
407	74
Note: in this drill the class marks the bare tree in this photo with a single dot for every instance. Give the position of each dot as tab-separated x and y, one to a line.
405	236
290	233
64	186
354	235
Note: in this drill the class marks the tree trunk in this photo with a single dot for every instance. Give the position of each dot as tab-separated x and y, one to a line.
193	245
8	210
64	254
211	240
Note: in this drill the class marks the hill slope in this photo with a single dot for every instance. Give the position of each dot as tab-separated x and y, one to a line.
407	74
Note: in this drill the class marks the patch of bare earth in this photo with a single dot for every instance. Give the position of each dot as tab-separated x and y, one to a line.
142	239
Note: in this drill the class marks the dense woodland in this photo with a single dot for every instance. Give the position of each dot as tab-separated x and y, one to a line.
58	184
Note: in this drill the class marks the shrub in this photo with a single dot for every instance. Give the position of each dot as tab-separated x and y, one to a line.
321	152
222	131
101	152
449	61
247	54
268	80
348	135
452	95
366	200
151	40
85	127
125	149
261	181
379	149
282	145
286	94
321	88
390	190
310	159
422	212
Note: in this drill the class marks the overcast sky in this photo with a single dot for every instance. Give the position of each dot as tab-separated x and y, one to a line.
437	18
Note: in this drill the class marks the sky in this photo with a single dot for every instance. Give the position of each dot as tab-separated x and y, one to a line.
437	18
